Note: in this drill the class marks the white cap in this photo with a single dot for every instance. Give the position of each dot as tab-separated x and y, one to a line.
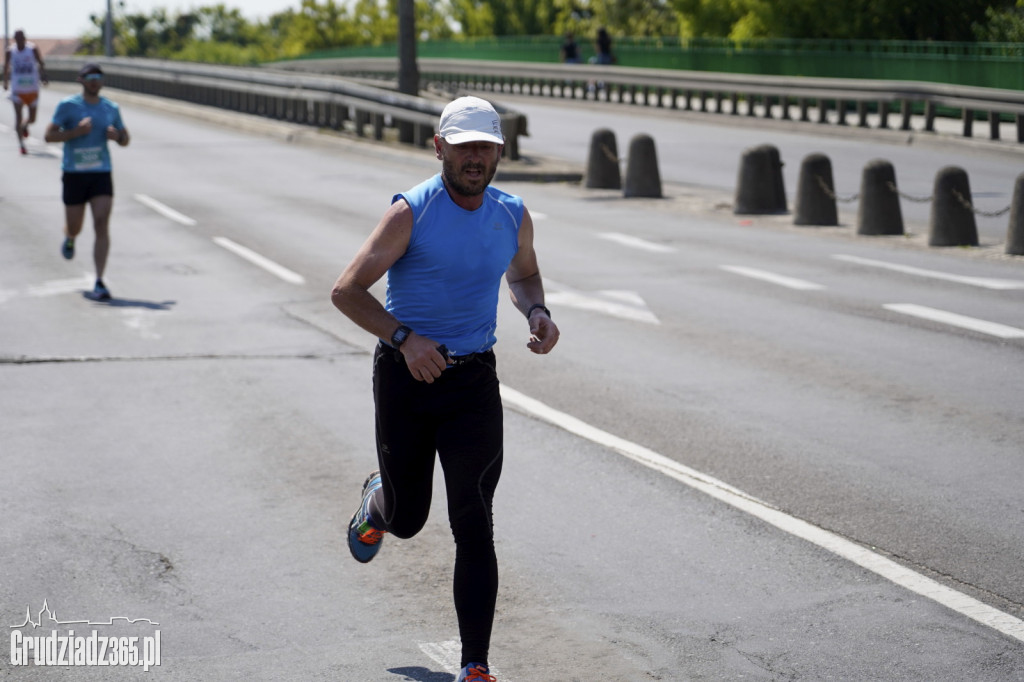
470	119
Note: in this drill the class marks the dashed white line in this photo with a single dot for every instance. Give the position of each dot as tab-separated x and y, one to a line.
971	323
881	566
261	261
636	242
764	275
164	210
984	282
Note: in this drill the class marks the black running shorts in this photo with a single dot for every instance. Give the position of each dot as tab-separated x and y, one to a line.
81	187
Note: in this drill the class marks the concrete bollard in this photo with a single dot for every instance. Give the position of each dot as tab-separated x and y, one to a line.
603	161
1015	231
879	211
815	193
759	186
952	220
642	176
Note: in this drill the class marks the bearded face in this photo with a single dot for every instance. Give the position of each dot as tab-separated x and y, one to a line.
468	168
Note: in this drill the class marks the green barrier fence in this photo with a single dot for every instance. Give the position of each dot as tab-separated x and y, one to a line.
994	65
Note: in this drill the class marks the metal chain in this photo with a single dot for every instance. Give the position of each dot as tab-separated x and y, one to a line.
967	204
893	188
832	195
611	157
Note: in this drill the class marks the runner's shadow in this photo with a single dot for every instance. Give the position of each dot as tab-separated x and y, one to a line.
420	674
128	303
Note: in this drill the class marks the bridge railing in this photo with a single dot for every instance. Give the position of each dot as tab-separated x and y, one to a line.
332	93
327	101
841	101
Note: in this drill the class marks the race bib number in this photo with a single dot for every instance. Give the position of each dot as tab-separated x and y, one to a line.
88	158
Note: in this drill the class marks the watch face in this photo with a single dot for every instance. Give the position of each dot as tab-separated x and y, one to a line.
399	337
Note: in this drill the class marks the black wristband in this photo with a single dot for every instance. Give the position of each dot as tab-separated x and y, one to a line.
534	307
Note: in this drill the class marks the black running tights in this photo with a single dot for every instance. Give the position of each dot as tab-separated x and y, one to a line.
459	418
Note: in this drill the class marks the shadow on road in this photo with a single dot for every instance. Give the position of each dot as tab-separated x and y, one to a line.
128	303
418	674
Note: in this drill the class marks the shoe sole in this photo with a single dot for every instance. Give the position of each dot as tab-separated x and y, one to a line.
351	546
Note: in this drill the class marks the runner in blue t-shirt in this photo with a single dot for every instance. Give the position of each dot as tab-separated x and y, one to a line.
85	123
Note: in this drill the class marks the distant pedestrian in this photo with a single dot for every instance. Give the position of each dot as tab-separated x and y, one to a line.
570	51
85	123
23	71
603	47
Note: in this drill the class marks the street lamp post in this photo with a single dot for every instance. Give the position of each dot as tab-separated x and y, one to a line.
108	32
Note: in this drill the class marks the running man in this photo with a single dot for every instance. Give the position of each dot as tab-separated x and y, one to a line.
444	246
23	70
85	123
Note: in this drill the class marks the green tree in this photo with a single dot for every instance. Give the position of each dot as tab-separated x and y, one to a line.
1002	25
852	19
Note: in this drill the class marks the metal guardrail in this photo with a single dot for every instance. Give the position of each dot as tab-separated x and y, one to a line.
327	93
318	100
832	99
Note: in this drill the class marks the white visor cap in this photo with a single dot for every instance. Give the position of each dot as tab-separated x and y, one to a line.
470	119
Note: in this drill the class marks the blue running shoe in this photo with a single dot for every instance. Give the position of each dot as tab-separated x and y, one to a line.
476	672
100	292
67	249
363	537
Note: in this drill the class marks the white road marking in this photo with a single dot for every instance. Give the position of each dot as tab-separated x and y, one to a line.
142	321
764	275
57	287
263	262
985	282
164	210
449	655
54	287
627	305
636	242
881	566
43	145
935	315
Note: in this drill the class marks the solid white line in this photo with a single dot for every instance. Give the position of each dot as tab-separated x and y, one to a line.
985	282
636	242
935	315
781	280
263	262
165	211
886	568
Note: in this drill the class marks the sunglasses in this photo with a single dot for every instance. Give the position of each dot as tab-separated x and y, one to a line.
93	76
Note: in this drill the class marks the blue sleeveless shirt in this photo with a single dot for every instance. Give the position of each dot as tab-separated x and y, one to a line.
445	286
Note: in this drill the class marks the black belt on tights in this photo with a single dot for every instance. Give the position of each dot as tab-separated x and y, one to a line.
453	360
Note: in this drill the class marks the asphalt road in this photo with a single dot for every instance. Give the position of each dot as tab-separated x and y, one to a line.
704	151
759	451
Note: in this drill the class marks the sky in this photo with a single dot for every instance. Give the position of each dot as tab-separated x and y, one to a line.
70	18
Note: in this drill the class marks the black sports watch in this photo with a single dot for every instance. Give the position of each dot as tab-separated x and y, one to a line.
400	336
537	306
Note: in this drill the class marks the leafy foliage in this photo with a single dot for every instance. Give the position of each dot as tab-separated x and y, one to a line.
218	33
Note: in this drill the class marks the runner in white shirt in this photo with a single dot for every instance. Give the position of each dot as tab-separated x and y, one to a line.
23	70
